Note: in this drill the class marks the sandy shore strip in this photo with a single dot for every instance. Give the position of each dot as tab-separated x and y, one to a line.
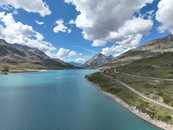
24	70
140	114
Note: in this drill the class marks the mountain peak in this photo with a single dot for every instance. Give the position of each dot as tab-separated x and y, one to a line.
97	60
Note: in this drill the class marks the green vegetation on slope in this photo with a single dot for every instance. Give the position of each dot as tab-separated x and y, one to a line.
151	76
159	90
160	66
108	85
146	78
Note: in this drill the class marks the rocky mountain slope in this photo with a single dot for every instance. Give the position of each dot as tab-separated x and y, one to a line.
152	49
97	60
19	57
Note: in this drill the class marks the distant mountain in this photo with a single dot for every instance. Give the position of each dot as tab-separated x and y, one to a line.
97	60
75	64
152	49
20	57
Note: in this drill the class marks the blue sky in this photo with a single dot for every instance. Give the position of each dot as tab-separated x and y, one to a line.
88	34
60	10
154	34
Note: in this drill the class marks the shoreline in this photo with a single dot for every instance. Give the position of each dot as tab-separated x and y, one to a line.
143	116
34	70
159	124
29	70
23	71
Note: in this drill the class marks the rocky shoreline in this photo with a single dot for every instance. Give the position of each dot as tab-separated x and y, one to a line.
144	116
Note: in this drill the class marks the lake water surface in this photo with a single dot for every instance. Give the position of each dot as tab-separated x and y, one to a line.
60	100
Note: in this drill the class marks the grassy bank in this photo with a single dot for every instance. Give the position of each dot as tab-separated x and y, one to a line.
115	88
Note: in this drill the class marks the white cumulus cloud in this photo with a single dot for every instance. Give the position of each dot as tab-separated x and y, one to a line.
71	21
36	6
165	15
60	27
17	32
98	18
39	22
128	36
113	22
133	27
122	46
69	55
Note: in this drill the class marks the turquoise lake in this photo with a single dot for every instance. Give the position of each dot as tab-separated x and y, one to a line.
60	100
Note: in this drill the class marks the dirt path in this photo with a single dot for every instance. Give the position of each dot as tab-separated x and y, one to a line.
141	94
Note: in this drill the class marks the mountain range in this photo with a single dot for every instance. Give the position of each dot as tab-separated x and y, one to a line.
20	57
154	59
